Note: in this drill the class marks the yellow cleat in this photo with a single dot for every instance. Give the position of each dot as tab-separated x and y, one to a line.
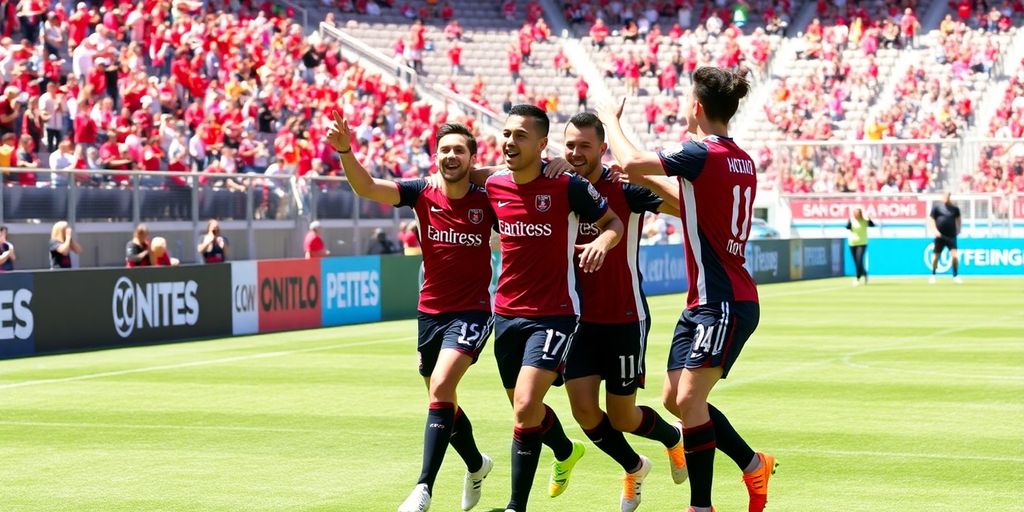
562	470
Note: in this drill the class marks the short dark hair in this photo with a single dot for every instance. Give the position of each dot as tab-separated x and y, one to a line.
3	229
719	91
527	110
456	129
589	119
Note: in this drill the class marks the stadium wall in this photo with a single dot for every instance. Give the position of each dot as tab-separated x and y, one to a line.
913	257
59	311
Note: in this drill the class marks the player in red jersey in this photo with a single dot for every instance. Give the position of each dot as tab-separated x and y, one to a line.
537	305
455	222
717	183
611	341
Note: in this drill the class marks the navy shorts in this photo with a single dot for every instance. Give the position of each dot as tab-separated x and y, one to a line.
465	331
615	352
538	342
944	242
712	335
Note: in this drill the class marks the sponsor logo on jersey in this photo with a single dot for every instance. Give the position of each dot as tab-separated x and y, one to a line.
594	194
521	228
589	229
137	306
542	202
450	236
476	215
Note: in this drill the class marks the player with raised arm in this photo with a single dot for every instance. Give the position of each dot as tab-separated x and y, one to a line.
536	305
611	341
944	223
717	183
455	221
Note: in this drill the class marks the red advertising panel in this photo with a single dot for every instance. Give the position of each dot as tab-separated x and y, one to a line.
840	208
288	294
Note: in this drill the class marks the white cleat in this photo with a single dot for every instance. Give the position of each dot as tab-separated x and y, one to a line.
418	500
631	484
471	485
957	280
931	280
856	282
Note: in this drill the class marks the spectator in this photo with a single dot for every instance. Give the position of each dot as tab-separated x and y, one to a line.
313	245
62	245
408	234
159	256
582	88
213	247
599	33
7	255
136	252
27	158
381	244
64	159
10	110
8	150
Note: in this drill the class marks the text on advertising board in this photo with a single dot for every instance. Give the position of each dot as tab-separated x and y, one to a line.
157	304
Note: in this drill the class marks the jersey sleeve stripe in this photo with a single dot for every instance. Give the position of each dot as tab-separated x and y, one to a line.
574	229
633	241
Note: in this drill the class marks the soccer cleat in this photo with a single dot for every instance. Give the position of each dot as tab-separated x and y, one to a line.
471	485
856	282
931	279
957	280
757	482
631	484
677	462
562	470
418	500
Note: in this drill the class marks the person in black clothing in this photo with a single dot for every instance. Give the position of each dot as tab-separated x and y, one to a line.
381	244
858	226
944	222
214	247
62	245
136	252
7	255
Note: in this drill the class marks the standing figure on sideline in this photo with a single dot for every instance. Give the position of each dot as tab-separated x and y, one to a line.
858	226
717	181
944	223
454	305
611	341
7	255
537	306
62	244
213	247
136	251
313	245
158	255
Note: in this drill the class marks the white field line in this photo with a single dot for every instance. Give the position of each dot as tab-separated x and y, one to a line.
192	364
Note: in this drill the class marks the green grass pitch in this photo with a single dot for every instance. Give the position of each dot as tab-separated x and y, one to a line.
898	396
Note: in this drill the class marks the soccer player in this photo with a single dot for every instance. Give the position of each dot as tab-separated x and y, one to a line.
454	306
717	182
611	341
536	304
944	222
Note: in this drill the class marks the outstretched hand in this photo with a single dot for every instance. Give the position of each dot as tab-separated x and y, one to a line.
339	136
608	112
557	167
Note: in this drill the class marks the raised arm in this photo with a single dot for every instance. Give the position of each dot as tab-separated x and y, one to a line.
633	160
339	137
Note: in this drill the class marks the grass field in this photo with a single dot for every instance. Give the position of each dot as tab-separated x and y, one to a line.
898	396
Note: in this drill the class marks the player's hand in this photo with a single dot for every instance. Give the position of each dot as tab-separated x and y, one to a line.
339	136
617	175
434	181
557	167
608	112
592	255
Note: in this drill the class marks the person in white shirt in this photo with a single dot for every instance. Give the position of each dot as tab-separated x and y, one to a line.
197	150
53	110
82	59
63	159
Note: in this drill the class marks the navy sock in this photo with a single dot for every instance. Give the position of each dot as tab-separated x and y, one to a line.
463	442
554	436
526	446
436	435
653	427
729	441
613	443
699	443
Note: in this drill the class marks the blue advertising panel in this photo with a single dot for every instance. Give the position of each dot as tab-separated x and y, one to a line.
913	256
17	321
663	268
351	289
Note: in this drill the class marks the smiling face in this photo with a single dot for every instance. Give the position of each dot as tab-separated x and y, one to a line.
454	159
583	150
521	143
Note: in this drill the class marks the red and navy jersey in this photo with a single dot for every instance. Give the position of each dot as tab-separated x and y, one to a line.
455	236
613	294
538	223
717	184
